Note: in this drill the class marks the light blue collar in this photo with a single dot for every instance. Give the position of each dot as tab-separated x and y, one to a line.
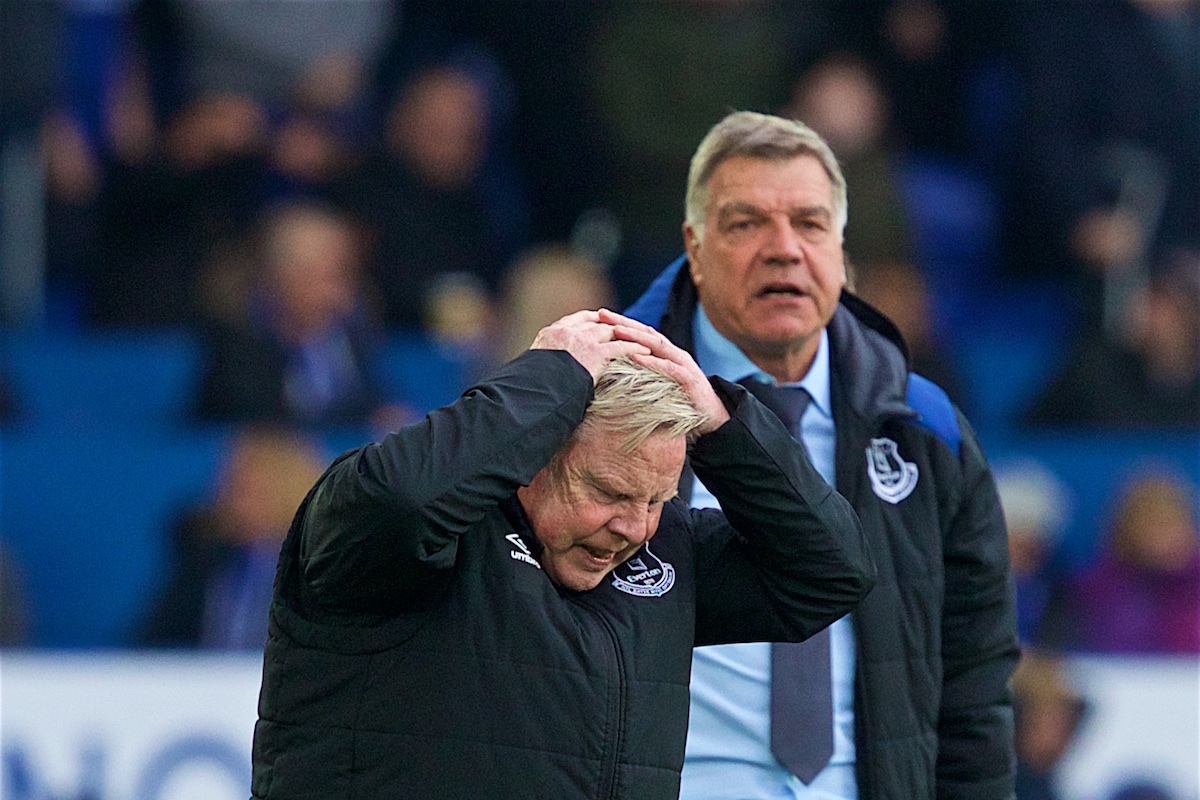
716	355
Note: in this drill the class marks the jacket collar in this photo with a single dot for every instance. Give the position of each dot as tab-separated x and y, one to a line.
858	334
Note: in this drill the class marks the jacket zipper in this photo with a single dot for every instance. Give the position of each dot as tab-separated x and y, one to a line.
616	712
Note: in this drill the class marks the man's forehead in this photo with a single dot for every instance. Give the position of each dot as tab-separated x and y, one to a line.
734	206
651	468
755	172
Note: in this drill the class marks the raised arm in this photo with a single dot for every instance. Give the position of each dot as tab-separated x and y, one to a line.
786	555
385	520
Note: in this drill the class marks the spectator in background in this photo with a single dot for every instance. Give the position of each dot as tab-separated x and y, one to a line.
900	291
1142	593
274	51
218	591
933	57
1036	506
429	198
73	177
842	99
315	136
214	111
1147	374
547	282
1048	714
171	195
659	73
296	343
1104	181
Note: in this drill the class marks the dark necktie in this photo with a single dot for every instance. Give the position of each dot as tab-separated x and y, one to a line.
801	686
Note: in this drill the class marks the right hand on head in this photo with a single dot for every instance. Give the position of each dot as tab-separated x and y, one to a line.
590	341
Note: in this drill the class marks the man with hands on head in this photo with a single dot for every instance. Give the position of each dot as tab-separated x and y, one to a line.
502	599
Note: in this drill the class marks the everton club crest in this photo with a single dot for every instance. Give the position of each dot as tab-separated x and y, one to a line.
892	478
644	575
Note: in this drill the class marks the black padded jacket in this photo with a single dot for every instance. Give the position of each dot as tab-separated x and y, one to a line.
936	640
418	650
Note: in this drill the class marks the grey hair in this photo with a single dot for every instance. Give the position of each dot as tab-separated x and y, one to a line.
762	136
639	401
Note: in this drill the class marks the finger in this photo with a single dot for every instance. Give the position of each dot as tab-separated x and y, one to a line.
610	316
619	348
656	341
648	336
583	315
665	366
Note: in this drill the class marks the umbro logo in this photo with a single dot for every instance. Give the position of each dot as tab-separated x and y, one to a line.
522	553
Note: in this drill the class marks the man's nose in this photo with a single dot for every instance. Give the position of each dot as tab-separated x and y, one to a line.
783	242
632	524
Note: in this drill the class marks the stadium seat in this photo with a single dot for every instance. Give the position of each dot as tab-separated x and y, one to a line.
102	381
87	516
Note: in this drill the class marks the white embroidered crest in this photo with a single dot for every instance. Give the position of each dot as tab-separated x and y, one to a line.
892	478
644	575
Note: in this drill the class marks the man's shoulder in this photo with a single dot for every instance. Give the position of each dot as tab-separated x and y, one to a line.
935	411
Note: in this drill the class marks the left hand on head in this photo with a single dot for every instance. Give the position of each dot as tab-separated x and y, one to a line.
674	362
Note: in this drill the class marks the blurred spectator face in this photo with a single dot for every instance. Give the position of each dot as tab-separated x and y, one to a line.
71	170
312	269
840	99
262	482
1155	528
307	150
458	310
769	265
215	128
898	290
1165	326
916	29
546	284
439	127
1036	506
333	82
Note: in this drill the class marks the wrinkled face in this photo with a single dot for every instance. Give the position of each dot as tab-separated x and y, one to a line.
598	509
768	266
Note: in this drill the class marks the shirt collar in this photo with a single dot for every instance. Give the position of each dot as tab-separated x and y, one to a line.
716	355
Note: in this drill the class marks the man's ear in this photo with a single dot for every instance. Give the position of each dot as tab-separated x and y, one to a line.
691	243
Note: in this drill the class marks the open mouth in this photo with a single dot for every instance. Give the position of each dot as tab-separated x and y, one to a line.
598	557
780	290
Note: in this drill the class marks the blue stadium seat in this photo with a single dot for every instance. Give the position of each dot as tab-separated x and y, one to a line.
102	381
422	373
953	216
87	517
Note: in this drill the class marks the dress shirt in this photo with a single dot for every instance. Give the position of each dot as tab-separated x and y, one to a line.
728	745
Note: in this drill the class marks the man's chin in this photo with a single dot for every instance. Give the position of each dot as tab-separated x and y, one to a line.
580	580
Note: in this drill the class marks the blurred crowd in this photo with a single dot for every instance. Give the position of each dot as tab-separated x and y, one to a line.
296	184
169	138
